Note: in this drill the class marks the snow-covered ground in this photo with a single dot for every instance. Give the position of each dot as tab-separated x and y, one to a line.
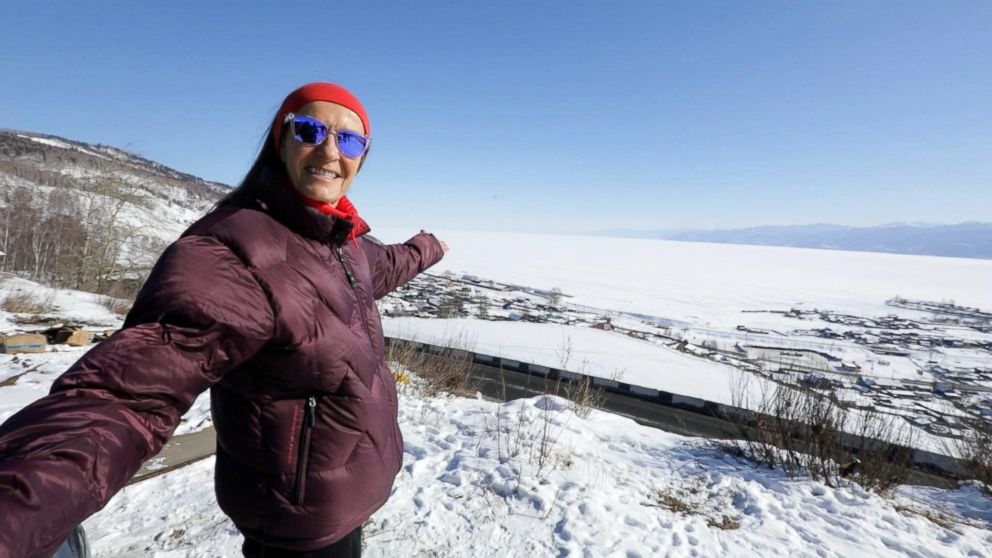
34	373
473	484
593	352
67	305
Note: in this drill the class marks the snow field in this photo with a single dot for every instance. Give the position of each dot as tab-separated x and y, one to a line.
708	284
34	375
472	484
68	305
594	352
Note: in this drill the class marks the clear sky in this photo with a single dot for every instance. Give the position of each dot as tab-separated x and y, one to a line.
546	116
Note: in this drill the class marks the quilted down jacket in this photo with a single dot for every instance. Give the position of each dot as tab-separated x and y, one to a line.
272	308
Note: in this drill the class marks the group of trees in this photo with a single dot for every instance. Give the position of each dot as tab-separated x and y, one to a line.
75	237
71	214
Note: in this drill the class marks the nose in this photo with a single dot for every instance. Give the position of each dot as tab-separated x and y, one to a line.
329	148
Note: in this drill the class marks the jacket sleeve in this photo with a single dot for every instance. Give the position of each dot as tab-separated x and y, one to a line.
394	264
200	314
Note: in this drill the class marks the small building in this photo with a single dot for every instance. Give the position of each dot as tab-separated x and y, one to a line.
942	388
605	325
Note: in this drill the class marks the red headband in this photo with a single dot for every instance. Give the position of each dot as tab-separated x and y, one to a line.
318	92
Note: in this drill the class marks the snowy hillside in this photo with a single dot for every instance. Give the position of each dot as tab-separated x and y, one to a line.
74	189
74	159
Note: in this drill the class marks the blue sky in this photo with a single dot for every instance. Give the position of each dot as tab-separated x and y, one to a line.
546	116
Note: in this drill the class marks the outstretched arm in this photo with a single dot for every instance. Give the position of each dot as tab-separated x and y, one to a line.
394	264
62	458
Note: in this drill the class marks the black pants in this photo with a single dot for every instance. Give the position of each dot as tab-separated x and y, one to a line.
348	547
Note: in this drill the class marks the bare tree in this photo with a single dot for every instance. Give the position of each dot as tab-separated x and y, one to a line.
76	235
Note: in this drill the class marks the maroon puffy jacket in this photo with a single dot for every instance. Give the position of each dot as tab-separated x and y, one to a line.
273	308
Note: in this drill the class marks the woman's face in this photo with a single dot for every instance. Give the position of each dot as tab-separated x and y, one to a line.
320	171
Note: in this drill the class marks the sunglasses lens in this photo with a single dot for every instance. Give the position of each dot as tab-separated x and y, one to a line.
351	144
308	130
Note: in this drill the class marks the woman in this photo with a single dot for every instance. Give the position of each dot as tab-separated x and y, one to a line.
269	301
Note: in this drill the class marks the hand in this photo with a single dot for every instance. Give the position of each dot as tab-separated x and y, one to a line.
444	245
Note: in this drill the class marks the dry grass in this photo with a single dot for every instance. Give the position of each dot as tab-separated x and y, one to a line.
725	522
674	503
118	306
26	302
446	371
583	397
806	433
531	437
685	500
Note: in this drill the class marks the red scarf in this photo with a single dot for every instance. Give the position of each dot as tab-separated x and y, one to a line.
345	210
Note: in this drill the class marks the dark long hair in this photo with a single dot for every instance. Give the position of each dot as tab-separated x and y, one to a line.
267	164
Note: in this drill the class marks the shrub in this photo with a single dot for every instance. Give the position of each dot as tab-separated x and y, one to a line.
529	435
582	395
975	449
804	432
446	371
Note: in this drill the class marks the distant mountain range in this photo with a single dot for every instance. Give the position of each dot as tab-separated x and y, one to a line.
964	240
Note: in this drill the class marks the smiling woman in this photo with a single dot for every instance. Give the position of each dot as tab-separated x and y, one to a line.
269	300
320	167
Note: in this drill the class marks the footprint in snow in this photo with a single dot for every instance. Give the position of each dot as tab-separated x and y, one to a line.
632	521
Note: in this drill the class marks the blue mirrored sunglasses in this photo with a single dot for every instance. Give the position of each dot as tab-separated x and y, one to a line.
313	132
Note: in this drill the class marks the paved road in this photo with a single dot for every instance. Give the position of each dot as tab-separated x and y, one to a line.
519	384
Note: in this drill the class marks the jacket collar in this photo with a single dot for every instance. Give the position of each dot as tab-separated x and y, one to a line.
310	218
345	210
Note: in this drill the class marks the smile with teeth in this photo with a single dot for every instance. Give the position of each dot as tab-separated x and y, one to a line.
321	173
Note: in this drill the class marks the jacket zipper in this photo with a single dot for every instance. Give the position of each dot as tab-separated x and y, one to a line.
344	263
309	419
361	307
351	281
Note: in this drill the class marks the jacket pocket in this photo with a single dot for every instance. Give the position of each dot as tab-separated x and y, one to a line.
303	458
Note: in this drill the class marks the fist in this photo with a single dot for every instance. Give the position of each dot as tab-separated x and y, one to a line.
444	245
